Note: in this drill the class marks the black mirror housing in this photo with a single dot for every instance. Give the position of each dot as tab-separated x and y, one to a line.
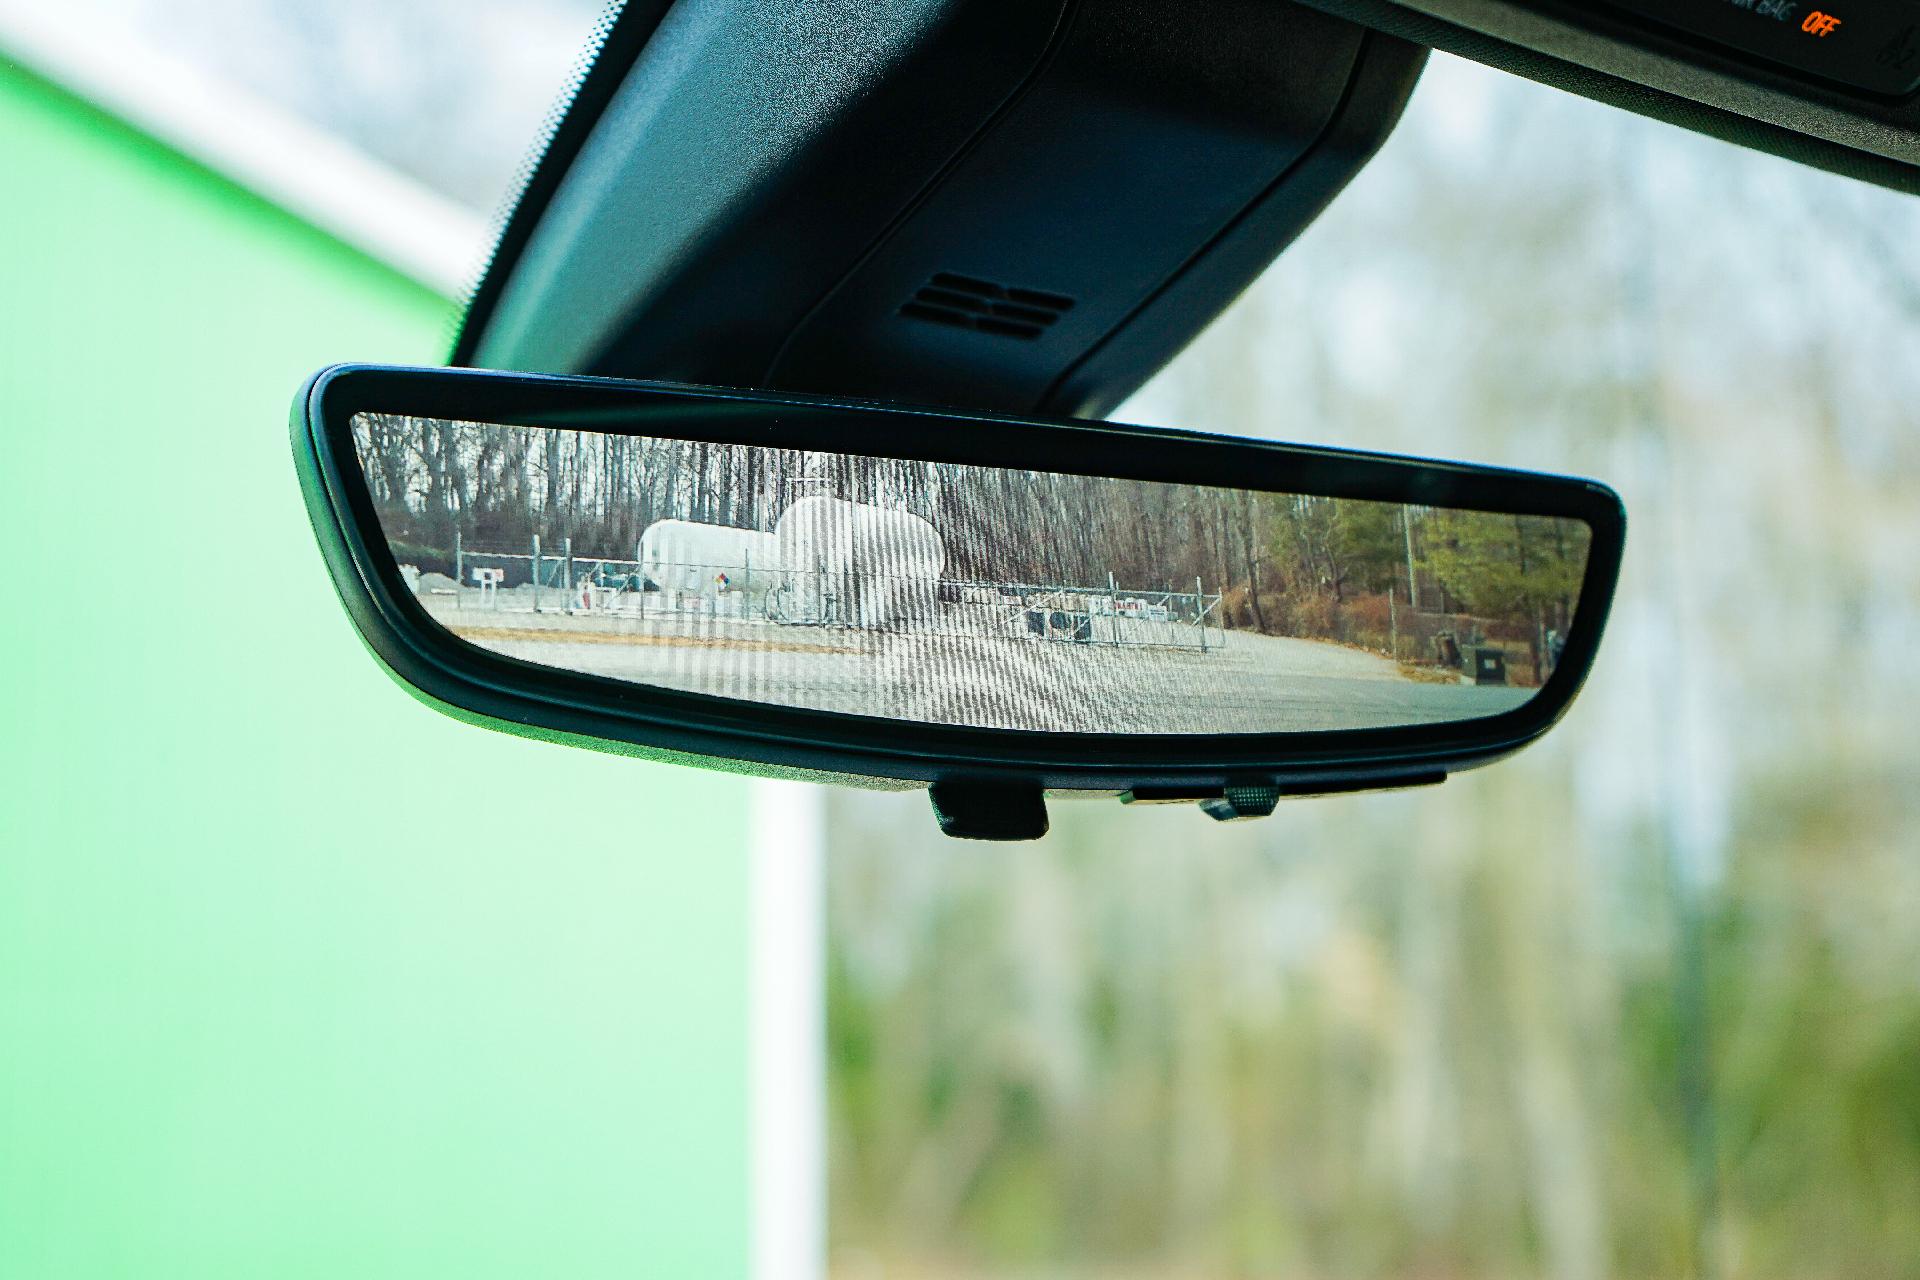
987	774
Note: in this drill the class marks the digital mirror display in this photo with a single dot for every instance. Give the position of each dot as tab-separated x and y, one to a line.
962	594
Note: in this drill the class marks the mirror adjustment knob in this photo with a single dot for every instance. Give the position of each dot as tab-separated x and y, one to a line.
969	810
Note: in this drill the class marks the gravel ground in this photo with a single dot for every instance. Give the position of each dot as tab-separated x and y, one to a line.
1244	683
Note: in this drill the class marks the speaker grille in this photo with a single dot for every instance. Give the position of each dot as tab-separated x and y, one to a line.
967	302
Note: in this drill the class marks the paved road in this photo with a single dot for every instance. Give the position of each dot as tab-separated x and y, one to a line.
1251	684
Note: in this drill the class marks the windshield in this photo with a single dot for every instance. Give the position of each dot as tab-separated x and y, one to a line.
297	975
452	93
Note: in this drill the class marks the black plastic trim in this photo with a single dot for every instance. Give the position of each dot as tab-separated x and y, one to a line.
1147	158
1385	70
632	27
1587	49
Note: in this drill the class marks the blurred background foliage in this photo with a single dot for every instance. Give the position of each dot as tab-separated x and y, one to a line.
1643	1001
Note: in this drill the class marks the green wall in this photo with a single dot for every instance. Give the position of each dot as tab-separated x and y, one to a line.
296	976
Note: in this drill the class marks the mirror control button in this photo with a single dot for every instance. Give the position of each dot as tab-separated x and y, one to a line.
1871	45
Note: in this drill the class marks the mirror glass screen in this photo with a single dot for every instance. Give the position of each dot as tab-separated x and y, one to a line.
967	595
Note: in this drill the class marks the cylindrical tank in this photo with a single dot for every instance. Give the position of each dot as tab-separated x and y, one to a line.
686	557
859	564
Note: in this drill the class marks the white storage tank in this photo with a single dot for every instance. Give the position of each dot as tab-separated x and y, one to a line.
856	563
688	558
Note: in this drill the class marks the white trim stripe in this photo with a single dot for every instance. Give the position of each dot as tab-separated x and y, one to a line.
787	1054
312	175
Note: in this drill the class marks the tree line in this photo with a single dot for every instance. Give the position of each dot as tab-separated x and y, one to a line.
1284	563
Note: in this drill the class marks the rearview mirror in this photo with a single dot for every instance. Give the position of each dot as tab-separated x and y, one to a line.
999	608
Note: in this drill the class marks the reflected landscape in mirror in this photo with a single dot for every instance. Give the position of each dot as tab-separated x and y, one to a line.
967	595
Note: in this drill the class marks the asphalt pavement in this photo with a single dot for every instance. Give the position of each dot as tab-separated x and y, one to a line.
1243	683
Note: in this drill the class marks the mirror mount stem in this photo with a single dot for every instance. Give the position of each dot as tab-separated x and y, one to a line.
971	809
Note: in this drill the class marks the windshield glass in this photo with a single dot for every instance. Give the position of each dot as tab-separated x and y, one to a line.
451	93
302	971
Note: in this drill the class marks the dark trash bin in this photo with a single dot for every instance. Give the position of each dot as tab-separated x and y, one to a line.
1489	666
1063	624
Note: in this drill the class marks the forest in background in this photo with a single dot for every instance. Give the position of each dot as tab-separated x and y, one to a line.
1298	565
1642	1002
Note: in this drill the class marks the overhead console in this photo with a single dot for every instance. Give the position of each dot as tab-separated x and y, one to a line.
1031	205
1022	205
1832	83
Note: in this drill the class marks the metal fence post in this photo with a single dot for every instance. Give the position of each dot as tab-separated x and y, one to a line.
566	559
459	562
536	573
1200	610
1393	622
1413	583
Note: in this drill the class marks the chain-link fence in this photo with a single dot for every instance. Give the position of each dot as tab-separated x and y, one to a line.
545	578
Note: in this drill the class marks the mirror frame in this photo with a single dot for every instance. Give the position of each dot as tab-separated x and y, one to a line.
533	700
